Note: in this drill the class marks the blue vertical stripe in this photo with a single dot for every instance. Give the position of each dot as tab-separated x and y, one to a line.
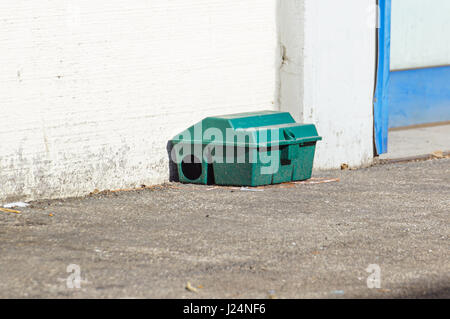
381	112
405	97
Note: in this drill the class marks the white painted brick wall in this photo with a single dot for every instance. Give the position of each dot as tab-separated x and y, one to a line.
328	74
91	91
339	76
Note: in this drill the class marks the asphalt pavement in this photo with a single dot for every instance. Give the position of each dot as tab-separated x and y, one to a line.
322	239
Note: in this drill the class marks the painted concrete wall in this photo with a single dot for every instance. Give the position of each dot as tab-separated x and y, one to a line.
91	91
420	34
333	60
291	37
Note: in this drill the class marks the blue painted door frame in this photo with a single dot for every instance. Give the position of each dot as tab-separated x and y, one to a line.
406	97
381	114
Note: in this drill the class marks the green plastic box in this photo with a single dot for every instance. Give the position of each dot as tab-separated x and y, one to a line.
246	149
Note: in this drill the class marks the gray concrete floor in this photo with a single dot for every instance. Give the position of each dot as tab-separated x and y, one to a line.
289	241
417	141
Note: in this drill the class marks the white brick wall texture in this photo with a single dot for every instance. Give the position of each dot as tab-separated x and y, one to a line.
91	91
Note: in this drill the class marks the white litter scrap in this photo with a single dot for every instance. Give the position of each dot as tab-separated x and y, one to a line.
251	189
16	204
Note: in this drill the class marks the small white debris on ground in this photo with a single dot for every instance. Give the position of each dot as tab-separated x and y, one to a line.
16	204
